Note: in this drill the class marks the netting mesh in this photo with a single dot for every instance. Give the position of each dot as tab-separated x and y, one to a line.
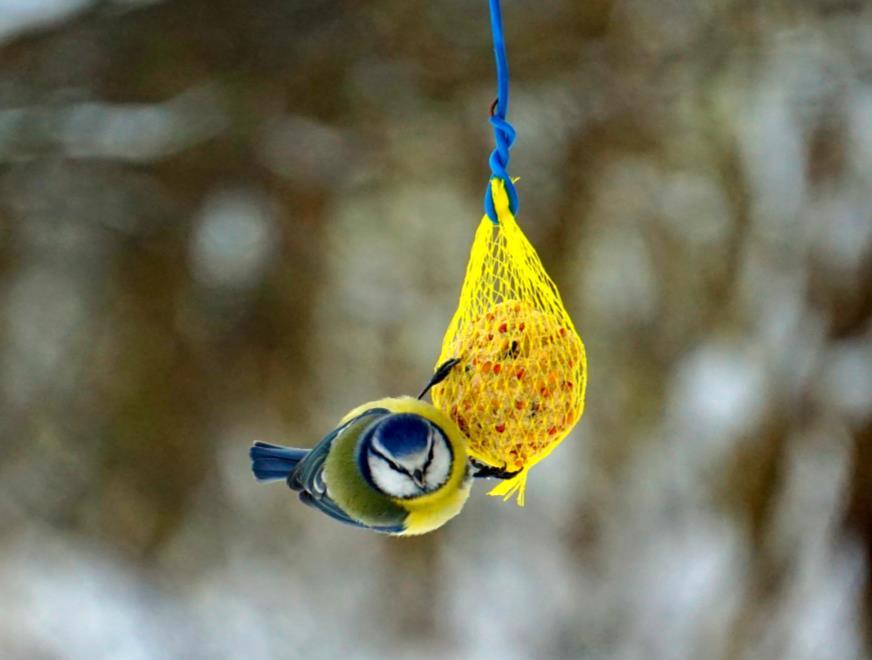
519	386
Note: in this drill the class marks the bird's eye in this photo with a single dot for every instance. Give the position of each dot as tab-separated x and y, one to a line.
396	467
430	455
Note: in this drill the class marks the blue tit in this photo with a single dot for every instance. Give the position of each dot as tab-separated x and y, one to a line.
397	466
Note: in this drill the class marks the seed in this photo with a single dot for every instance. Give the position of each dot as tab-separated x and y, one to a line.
497	368
500	428
503	327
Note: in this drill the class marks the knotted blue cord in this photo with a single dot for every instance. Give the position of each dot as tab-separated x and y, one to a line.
504	134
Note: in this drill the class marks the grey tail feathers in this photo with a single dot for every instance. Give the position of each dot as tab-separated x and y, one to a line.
271	462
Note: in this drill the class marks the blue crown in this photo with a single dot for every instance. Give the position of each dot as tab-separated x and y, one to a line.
402	434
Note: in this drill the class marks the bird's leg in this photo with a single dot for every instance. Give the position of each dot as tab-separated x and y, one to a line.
483	471
440	375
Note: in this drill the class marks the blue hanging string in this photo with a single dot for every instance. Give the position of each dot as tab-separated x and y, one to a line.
504	134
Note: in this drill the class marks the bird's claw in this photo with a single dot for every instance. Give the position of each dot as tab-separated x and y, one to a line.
483	471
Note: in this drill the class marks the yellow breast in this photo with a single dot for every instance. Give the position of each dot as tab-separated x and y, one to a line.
426	518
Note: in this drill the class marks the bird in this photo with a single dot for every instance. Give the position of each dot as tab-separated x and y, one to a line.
397	466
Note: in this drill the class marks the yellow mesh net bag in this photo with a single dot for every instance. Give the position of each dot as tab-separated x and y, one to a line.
518	388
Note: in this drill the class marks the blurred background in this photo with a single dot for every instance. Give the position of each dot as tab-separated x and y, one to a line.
224	221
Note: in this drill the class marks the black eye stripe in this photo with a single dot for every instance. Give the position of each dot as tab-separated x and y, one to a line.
430	454
394	466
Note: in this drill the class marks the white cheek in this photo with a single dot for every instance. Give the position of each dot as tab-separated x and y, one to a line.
440	466
390	481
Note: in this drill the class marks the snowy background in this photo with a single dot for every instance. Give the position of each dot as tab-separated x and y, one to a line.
223	221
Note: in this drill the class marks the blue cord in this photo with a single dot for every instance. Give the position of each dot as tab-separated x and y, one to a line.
504	134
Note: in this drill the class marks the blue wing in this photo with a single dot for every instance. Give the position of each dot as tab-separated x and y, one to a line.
308	477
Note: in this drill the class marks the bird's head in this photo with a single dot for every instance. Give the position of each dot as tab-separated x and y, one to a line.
406	456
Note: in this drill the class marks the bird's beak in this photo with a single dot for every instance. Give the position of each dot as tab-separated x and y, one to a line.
418	478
